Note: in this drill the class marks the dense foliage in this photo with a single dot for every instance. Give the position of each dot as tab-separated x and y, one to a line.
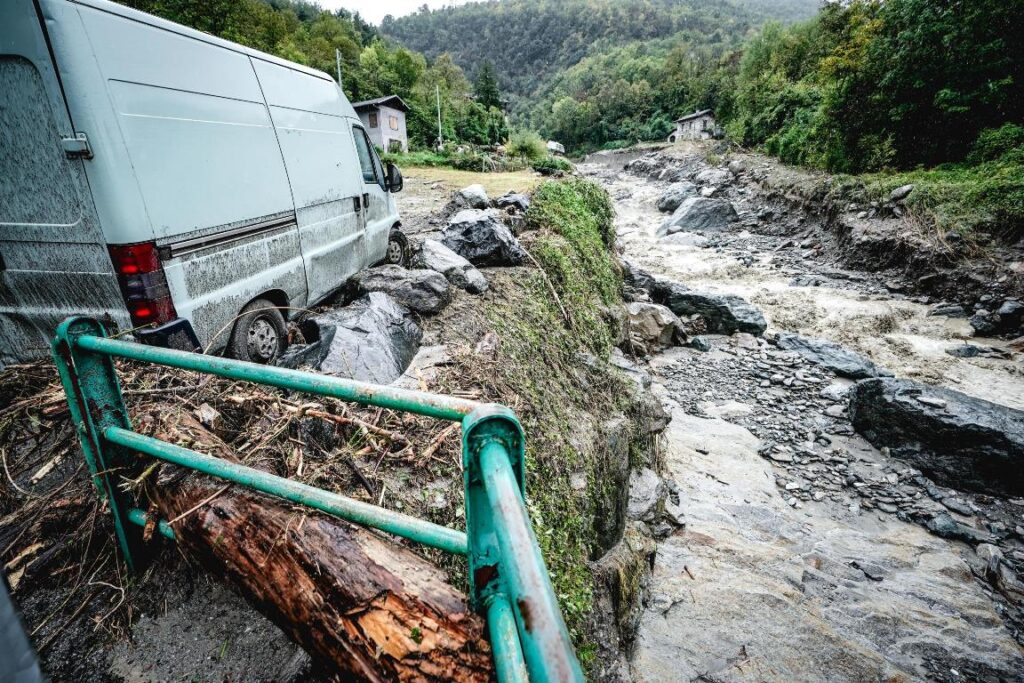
869	84
533	41
372	66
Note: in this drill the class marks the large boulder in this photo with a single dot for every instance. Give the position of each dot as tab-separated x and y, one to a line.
723	313
699	213
653	326
519	202
636	282
474	196
424	291
372	339
834	357
959	440
435	256
675	194
713	176
483	239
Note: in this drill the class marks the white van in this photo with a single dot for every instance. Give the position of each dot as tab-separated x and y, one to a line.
194	190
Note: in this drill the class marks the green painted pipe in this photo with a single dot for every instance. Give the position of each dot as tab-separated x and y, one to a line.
395	523
141	517
548	651
508	653
421	403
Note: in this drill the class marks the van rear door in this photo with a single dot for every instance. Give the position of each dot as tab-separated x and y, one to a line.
53	258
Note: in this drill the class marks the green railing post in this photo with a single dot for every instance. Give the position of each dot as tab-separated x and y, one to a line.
505	563
95	401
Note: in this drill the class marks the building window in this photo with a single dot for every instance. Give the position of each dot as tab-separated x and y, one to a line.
373	119
393	122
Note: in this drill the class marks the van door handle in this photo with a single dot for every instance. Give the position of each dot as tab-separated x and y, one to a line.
366	200
356	205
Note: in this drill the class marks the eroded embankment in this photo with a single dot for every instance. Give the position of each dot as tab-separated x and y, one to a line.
540	340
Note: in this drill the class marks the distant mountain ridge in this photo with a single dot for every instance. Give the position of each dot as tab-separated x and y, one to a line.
530	41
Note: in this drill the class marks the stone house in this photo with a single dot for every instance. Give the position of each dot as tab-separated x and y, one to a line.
700	125
384	120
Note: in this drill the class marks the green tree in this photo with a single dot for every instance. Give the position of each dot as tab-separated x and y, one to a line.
485	87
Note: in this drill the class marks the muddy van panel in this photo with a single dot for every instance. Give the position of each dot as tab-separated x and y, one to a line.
312	119
53	258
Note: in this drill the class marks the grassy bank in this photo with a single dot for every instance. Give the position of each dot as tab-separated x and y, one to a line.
477	161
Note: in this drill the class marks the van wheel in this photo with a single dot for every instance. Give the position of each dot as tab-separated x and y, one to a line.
260	333
398	249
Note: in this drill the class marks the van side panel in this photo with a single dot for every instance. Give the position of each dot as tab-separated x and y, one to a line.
53	260
198	148
316	142
195	125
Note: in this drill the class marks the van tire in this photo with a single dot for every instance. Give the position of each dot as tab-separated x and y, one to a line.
398	249
260	333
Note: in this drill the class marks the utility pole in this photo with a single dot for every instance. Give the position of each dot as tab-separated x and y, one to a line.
337	59
440	137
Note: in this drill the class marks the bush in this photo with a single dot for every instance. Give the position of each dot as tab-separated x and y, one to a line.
551	165
526	144
996	143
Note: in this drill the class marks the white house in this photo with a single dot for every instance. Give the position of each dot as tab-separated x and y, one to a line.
700	125
384	120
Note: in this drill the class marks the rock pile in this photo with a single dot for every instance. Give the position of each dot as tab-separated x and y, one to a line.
421	290
483	239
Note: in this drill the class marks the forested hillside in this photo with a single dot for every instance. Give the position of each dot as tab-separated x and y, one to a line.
532	41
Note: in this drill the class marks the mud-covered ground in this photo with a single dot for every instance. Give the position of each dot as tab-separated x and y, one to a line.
807	554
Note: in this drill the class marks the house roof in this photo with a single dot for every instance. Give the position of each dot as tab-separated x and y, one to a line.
393	101
694	115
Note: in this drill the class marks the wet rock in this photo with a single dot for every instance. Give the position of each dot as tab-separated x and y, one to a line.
435	256
949	310
901	193
373	339
674	195
653	326
700	343
699	213
957	439
420	290
713	176
519	202
946	527
984	323
1011	314
636	281
647	493
736	167
474	196
724	313
481	238
834	357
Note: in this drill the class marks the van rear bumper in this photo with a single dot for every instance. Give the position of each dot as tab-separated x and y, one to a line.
176	334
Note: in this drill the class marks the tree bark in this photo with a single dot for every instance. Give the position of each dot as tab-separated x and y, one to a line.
354	600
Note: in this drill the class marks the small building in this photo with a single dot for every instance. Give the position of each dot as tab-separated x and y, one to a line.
555	147
384	120
700	125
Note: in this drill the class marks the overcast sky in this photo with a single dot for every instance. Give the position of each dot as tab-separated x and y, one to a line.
375	10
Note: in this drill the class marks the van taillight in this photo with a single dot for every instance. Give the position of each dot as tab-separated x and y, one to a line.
143	283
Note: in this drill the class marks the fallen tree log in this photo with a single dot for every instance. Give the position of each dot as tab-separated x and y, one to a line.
354	600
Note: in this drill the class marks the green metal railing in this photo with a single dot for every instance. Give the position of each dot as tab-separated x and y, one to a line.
509	583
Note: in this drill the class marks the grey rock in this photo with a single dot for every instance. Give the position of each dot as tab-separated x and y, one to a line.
423	291
435	256
724	313
520	202
653	326
945	526
482	239
699	213
957	439
834	357
901	193
736	167
984	323
647	493
474	196
949	310
636	279
1011	314
372	339
674	195
700	343
713	176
